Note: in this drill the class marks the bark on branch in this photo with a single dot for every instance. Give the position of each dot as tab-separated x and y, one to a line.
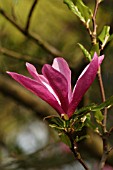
19	56
30	15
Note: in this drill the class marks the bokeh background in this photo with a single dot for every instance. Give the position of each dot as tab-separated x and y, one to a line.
37	31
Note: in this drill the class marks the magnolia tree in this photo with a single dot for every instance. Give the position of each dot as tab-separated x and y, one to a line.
54	87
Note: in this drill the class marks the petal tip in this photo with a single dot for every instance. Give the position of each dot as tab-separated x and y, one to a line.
95	56
27	64
8	72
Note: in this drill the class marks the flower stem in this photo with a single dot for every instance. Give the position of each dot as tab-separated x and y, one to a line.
105	154
75	152
79	159
94	41
93	36
104	137
94	32
103	98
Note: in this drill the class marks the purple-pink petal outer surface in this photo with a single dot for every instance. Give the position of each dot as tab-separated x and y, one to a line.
58	83
32	70
84	82
62	66
41	79
38	89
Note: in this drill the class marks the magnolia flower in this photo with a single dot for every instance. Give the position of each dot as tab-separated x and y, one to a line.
54	84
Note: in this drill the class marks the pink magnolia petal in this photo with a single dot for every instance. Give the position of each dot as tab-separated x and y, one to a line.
46	83
84	82
32	70
41	79
38	89
61	65
58	83
100	59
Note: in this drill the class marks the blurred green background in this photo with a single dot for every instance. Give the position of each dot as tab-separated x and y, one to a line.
26	141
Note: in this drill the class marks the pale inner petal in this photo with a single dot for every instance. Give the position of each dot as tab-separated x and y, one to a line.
46	83
61	65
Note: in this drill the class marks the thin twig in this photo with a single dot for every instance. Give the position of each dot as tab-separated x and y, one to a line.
20	56
93	36
105	153
94	41
104	138
30	15
103	98
34	37
94	33
79	159
110	131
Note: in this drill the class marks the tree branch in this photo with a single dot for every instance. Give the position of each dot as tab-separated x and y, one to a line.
19	56
75	152
103	99
30	15
104	139
94	33
34	37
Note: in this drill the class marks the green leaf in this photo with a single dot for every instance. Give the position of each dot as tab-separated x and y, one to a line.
110	38
80	122
74	9
85	52
80	9
108	103
105	36
88	117
78	139
78	126
85	10
88	122
104	33
84	110
98	116
55	122
65	139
